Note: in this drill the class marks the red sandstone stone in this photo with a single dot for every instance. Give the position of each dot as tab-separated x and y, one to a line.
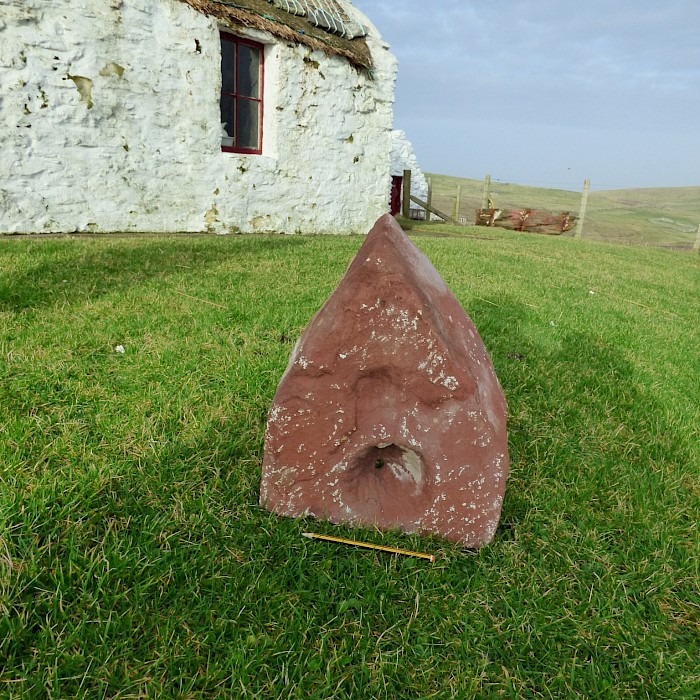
390	413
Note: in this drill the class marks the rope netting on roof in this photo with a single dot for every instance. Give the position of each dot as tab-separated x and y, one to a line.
326	14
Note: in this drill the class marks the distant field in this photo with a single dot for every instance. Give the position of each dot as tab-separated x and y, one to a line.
666	217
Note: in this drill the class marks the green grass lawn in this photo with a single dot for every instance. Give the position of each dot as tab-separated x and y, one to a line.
135	561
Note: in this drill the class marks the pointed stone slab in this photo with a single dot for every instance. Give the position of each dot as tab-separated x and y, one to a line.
390	413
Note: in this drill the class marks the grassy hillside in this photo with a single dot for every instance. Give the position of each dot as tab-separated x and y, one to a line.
661	217
135	378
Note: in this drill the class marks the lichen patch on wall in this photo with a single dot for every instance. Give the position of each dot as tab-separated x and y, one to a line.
112	69
84	87
211	218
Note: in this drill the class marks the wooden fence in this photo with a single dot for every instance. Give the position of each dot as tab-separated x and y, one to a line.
668	218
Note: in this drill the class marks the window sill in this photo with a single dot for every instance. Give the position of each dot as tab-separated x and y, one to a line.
260	161
240	151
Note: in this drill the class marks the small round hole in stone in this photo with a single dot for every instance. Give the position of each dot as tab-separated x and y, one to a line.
379	464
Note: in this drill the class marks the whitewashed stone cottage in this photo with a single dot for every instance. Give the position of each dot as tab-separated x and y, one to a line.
404	158
193	115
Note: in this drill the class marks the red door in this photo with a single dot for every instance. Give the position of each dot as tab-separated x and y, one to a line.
396	187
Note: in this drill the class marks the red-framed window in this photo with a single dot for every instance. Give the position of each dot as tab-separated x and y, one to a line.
242	72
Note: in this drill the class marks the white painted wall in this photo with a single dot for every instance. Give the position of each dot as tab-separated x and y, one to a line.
109	116
404	158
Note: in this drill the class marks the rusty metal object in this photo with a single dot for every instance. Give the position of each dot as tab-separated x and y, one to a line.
531	220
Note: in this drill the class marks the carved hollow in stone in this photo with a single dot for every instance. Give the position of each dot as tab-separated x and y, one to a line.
389	413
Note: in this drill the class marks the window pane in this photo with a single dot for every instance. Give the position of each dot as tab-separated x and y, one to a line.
228	114
248	118
248	71
228	66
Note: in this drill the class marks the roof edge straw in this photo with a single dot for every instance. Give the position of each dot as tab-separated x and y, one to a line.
267	16
367	545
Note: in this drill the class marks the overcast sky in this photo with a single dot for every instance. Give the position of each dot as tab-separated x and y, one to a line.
549	92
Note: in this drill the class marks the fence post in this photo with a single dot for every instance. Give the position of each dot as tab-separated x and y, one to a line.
696	247
582	210
458	202
430	198
487	193
406	195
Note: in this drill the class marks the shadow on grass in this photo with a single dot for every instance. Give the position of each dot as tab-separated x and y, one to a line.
589	441
87	269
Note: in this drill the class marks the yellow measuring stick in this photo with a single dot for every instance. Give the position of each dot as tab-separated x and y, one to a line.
367	545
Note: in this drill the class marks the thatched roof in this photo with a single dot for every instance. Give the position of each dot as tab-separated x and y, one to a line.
263	15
